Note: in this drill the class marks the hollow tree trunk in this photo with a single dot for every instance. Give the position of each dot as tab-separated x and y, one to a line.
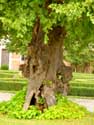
44	67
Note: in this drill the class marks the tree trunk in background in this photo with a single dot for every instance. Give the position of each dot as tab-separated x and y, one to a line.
83	68
87	68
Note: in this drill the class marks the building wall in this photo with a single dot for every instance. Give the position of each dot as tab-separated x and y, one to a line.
14	60
4	57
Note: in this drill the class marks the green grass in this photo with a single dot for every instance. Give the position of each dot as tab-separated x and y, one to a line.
7	91
85	121
83	75
13	79
8	71
82	85
80	97
4	74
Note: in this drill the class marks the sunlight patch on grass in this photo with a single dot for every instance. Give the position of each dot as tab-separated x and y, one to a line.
85	121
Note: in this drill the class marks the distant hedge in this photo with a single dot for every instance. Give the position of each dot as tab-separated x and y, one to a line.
82	91
11	80
80	85
11	86
4	67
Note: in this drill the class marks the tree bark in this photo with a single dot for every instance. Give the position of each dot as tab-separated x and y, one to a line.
44	67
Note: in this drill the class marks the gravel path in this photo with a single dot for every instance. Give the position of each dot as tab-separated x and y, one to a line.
88	103
5	96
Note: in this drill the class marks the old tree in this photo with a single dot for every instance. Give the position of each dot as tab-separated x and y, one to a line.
41	30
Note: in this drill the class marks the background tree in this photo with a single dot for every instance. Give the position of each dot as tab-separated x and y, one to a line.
81	56
38	29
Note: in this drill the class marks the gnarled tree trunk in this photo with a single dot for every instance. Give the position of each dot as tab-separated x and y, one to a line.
44	67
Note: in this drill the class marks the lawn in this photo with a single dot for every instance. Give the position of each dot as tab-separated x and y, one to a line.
85	121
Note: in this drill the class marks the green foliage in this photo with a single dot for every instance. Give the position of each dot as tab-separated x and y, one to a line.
79	52
13	108
79	27
4	67
64	109
41	100
17	20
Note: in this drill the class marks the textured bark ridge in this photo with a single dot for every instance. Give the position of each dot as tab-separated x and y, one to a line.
44	68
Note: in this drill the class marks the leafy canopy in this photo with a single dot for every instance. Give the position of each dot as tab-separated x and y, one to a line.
17	20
